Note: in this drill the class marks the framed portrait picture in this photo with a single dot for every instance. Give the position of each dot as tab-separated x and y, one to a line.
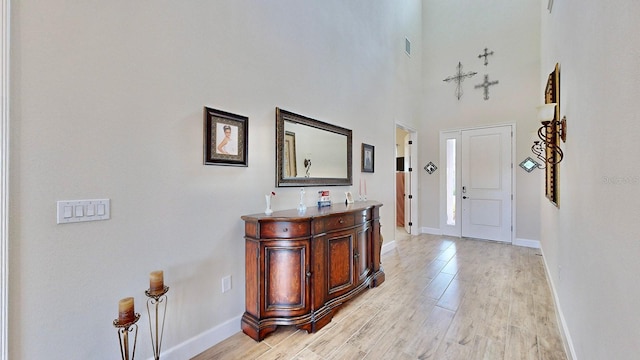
368	158
225	138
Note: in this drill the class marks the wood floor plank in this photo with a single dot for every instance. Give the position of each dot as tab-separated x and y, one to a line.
485	348
438	285
289	347
238	346
521	344
365	338
453	295
308	355
282	333
462	329
522	312
328	342
451	350
426	340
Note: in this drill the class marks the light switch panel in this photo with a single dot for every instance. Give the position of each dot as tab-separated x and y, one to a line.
71	211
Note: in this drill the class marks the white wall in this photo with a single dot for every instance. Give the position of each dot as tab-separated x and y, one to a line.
107	101
458	31
591	242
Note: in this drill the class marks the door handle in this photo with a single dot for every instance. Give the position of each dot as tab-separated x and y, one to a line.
464	197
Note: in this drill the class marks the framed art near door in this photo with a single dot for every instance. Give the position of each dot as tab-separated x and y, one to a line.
368	158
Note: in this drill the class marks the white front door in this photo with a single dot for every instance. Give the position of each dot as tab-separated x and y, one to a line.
485	186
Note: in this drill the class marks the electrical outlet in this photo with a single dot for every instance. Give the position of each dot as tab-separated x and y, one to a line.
226	283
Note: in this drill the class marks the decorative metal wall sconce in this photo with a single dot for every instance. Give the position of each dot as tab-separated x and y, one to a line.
547	149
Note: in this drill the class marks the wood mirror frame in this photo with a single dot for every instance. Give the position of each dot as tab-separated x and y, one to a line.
282	180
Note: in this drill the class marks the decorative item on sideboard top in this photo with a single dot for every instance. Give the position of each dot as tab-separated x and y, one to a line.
302	208
267	198
362	190
348	197
324	198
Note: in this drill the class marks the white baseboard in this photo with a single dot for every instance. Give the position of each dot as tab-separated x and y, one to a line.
203	341
432	231
388	246
526	243
564	330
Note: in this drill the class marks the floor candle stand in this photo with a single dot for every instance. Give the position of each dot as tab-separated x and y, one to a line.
124	329
157	299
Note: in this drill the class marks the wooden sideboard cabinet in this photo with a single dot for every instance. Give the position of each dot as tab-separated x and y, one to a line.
300	268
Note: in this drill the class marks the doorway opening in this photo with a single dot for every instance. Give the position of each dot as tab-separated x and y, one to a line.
406	205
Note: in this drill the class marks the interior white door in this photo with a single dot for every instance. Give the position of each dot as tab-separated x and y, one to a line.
408	197
486	185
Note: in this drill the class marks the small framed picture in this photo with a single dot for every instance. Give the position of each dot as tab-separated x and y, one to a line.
368	157
349	197
226	138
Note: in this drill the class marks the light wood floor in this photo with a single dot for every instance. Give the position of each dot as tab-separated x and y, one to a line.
443	298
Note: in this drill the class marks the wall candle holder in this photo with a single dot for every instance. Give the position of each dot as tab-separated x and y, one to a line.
123	336
157	299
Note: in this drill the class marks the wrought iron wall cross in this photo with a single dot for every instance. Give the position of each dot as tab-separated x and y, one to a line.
485	55
458	78
486	85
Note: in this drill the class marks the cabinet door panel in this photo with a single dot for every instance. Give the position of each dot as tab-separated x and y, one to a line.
340	271
285	278
363	253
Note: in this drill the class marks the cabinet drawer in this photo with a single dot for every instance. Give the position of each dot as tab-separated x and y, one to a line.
335	222
364	216
284	229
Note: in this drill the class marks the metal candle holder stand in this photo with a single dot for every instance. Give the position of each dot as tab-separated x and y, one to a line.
123	336
156	299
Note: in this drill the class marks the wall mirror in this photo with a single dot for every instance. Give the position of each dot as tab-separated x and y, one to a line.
311	152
